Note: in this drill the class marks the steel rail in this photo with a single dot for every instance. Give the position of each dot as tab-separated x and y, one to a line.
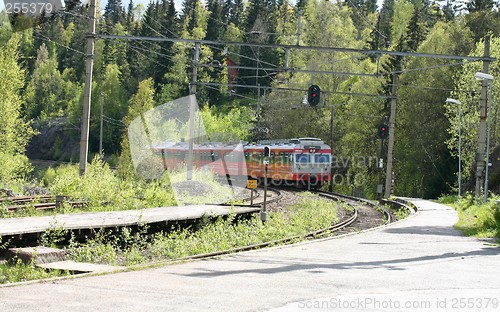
321	232
381	209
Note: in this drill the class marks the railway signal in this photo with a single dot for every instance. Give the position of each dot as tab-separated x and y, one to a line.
313	95
267	154
383	131
267	151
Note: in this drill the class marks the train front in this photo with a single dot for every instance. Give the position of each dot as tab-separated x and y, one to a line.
311	162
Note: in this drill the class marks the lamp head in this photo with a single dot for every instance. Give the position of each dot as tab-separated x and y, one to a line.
483	76
449	100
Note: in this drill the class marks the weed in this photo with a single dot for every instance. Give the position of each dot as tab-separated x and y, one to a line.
478	219
54	235
129	247
18	271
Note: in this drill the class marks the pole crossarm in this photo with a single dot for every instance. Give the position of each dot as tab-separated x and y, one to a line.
301	47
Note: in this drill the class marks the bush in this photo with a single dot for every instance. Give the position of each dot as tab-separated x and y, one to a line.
14	168
106	191
478	219
126	247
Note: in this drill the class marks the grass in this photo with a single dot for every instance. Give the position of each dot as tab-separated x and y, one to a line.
402	213
131	247
105	191
128	248
18	271
102	188
476	219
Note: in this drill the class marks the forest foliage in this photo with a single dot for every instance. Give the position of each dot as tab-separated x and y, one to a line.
42	74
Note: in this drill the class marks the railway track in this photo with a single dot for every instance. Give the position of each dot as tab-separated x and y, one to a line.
370	214
256	198
358	214
17	203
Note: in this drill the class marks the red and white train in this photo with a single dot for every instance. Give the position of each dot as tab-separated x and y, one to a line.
298	162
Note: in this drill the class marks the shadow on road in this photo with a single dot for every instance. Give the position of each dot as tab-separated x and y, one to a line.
296	265
425	230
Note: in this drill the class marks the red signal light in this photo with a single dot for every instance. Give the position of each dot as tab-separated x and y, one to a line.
383	132
313	95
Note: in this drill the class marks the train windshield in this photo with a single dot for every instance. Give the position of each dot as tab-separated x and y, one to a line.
302	158
322	159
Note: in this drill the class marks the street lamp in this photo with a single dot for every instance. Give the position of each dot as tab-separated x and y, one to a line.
483	76
457	102
489	78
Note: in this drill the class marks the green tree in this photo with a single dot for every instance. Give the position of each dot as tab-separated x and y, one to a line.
403	12
14	131
177	79
113	98
423	164
5	31
483	18
139	103
43	93
465	81
382	36
260	27
114	13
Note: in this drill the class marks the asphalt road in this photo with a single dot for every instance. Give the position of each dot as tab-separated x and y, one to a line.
419	264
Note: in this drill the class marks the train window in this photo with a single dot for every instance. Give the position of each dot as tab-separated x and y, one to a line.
302	158
321	159
280	158
255	157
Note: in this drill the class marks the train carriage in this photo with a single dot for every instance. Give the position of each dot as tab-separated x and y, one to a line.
299	161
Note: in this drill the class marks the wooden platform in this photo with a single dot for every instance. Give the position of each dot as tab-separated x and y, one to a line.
96	220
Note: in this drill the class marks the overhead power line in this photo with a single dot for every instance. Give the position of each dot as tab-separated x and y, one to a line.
300	47
290	69
291	89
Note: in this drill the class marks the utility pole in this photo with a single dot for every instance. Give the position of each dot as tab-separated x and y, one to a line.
332	116
390	145
192	108
258	107
299	26
380	166
483	116
101	99
84	140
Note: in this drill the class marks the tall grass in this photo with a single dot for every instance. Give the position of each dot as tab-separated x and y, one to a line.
18	271
128	248
477	218
102	188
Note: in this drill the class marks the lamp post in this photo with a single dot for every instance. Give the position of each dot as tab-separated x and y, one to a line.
457	102
489	81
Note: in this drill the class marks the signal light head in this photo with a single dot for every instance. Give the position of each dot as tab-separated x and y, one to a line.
313	95
267	151
382	132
